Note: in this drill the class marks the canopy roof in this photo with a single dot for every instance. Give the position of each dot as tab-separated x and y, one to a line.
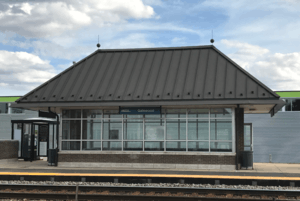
153	76
36	120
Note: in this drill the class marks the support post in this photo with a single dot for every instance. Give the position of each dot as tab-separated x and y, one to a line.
239	135
57	140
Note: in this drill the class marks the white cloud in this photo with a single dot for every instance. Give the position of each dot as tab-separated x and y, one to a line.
3	84
21	70
45	19
153	2
131	41
179	40
278	71
272	23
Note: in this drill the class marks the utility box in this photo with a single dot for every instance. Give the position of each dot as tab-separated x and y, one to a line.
247	159
52	157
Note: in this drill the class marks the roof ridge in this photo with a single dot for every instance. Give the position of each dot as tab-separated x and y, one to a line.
155	48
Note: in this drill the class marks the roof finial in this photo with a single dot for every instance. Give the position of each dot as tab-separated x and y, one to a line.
212	37
98	45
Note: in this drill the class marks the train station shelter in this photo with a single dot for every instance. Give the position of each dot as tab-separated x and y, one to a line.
175	107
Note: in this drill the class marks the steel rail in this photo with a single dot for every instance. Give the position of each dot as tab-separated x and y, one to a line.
55	192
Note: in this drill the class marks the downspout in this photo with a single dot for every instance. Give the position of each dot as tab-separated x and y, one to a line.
57	130
236	138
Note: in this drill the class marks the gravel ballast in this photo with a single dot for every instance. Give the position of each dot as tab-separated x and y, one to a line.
166	185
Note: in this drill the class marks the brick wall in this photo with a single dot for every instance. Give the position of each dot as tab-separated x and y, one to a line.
239	132
9	149
148	158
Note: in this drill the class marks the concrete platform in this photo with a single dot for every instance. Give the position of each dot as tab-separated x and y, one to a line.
260	169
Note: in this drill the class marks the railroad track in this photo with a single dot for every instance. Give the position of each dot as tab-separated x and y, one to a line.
60	192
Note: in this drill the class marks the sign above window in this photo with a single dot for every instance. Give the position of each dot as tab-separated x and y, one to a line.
139	110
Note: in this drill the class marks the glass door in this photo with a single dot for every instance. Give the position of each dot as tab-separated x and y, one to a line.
248	137
43	139
26	144
17	135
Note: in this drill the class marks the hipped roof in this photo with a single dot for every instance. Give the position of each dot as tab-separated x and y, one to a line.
198	73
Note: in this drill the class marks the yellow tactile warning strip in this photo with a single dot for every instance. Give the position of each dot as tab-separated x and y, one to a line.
151	175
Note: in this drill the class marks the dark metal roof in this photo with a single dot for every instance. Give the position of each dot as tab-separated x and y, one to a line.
154	74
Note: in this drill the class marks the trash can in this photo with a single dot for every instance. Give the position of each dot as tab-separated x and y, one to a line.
247	159
52	157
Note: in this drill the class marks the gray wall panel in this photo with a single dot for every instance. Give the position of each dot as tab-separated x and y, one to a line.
279	136
5	122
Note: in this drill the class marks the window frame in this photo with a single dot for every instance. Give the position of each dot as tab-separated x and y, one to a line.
163	119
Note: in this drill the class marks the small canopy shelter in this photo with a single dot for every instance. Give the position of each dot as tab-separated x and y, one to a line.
36	136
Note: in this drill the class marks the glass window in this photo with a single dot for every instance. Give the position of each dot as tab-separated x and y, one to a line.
198	113
288	105
247	135
221	146
107	133
70	145
220	129
176	146
154	129
154	116
91	114
112	129
113	146
198	146
135	116
3	108
91	129
50	139
154	146
133	129
176	129
220	113
16	110
71	129
54	137
111	111
133	146
91	145
113	116
71	114
295	104
175	113
198	129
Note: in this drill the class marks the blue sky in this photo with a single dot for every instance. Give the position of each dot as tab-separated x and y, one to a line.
40	38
